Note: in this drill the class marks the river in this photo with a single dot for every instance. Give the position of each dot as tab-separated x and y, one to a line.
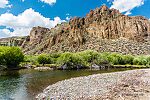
25	84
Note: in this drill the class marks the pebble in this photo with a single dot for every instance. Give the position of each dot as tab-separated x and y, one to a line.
83	88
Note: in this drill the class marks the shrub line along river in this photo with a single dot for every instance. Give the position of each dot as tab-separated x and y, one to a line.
26	84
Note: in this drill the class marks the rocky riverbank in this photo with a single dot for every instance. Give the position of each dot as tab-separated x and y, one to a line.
127	85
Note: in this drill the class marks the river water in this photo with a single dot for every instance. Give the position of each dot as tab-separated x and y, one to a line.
26	84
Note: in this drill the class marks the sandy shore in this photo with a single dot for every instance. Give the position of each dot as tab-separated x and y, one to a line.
127	85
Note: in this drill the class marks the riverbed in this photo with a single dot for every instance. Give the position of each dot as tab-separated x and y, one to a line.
127	85
26	84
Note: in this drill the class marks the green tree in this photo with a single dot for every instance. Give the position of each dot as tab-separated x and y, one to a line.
44	59
2	61
12	56
88	56
115	58
140	60
72	60
65	58
128	59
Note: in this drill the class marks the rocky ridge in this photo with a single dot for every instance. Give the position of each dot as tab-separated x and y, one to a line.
12	41
102	29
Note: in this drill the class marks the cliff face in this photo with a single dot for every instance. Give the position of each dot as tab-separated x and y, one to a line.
103	29
110	24
12	41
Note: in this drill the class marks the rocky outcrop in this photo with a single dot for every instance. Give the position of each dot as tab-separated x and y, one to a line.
37	33
110	24
12	41
102	29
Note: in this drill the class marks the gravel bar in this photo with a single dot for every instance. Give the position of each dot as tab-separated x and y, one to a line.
126	85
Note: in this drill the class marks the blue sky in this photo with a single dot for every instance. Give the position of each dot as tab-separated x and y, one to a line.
17	17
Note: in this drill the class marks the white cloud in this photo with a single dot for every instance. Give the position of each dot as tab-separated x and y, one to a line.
22	23
17	32
67	14
50	2
4	4
68	17
128	13
126	5
4	32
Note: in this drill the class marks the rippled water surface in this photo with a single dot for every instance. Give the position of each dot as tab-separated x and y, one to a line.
25	84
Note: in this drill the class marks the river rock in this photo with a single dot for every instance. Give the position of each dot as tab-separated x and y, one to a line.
96	67
130	85
43	68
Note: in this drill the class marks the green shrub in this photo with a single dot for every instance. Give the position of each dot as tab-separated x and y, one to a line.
100	60
78	60
31	59
12	56
128	59
148	61
71	59
119	59
2	61
64	58
44	59
140	60
88	56
116	59
54	57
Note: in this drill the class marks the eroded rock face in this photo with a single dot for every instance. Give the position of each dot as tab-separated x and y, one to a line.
103	29
37	33
12	41
110	24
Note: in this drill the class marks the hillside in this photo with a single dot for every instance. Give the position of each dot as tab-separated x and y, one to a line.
12	41
102	29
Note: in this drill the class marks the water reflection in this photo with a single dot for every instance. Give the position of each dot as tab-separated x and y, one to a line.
12	86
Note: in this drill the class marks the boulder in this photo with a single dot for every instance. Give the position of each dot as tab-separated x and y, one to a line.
43	68
95	67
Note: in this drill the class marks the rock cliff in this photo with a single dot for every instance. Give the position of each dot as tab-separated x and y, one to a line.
102	29
12	41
